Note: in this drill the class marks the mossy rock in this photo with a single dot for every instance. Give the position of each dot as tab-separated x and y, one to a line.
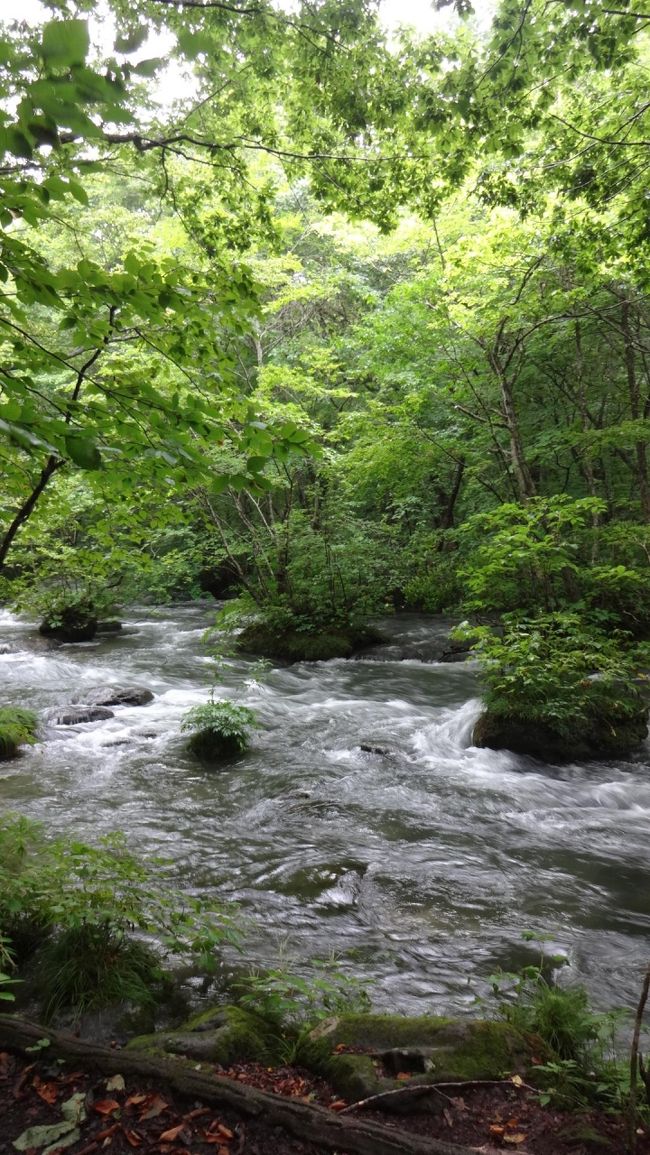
222	1035
210	746
17	728
429	1049
70	625
605	736
299	646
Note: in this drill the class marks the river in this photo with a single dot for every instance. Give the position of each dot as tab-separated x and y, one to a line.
420	865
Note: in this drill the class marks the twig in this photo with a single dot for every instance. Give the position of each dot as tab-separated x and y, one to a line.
425	1088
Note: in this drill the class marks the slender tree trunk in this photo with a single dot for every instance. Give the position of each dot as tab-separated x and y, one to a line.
636	410
27	508
525	484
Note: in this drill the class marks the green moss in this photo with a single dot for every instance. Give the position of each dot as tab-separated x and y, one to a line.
608	735
224	1035
209	746
381	1032
300	646
17	728
430	1049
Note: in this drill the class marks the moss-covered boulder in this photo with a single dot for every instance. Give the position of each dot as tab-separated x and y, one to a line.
370	1054
605	736
17	728
223	1035
211	747
300	646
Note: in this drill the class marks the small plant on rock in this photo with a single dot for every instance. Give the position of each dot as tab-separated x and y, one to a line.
17	728
219	728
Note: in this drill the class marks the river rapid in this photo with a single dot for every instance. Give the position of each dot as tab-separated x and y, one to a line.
420	863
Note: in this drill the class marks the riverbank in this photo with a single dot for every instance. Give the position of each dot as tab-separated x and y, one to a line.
254	1109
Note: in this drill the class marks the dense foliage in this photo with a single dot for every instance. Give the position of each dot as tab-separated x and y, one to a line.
355	321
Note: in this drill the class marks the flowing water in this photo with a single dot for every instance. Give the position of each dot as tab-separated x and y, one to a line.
420	861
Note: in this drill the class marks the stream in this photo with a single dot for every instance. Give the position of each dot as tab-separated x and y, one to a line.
420	862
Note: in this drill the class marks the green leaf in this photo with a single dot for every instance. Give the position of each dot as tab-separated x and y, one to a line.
193	43
65	42
84	453
133	41
149	67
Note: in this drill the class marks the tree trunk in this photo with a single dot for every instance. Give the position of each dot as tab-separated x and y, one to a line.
523	476
634	393
302	1120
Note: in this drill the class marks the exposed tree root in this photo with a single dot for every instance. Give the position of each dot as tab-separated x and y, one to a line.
302	1120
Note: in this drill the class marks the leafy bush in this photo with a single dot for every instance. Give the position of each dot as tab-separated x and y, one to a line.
520	557
286	998
63	892
6	964
17	728
219	725
581	1064
558	670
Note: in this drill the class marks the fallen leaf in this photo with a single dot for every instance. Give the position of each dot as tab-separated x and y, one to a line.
198	1111
74	1108
42	1136
155	1108
172	1134
338	1105
106	1106
46	1091
448	1117
134	1138
135	1100
517	1080
516	1137
496	1129
220	1129
116	1083
403	1077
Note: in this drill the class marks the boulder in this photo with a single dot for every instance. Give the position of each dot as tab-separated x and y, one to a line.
299	646
602	737
370	1054
221	1035
117	696
71	625
109	627
210	746
75	715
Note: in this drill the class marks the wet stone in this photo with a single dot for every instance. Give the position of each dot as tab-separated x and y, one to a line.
75	715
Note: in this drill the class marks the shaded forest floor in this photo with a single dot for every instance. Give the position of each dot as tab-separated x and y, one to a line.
120	1115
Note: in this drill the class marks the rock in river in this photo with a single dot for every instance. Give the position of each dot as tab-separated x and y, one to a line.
118	696
74	715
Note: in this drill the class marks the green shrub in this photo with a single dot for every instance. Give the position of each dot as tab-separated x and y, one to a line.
558	670
17	728
525	557
56	894
218	727
89	967
6	964
581	1065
